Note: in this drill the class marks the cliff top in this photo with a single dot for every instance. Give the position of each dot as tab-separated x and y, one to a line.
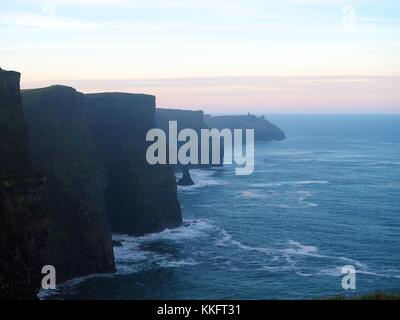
121	94
65	88
9	72
171	112
48	89
62	91
235	117
264	130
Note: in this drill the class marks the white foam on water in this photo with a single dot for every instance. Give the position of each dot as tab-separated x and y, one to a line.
336	271
131	258
289	183
298	248
131	254
69	285
190	229
333	272
302	274
178	263
251	194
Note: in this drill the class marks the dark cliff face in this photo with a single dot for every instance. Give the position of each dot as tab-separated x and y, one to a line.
23	219
186	119
90	153
61	148
139	198
263	129
93	147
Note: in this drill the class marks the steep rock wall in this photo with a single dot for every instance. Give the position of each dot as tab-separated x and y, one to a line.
186	119
61	148
23	218
139	198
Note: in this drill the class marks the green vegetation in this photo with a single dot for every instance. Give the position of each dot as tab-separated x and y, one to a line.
370	296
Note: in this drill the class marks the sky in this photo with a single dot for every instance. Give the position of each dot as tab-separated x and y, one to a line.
261	56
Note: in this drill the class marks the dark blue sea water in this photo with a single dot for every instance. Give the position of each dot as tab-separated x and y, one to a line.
326	197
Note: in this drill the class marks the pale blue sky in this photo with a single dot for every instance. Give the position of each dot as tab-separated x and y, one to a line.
327	55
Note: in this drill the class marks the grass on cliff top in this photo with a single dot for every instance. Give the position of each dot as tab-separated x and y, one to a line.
31	96
371	296
44	89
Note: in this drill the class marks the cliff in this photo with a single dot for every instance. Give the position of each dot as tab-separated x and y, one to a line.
186	119
263	129
139	198
23	226
94	178
61	147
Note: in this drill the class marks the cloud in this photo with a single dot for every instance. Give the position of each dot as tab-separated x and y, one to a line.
44	21
238	81
258	94
52	21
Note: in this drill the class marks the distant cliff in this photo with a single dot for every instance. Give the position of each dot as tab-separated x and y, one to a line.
263	129
61	147
186	119
23	218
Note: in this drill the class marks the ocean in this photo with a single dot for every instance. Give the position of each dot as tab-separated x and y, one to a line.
326	197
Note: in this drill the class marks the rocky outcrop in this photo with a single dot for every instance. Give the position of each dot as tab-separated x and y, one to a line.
61	147
23	218
139	198
186	179
263	129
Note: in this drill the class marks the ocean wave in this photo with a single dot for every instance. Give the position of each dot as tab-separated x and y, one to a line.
137	253
188	230
68	286
336	271
143	253
178	263
251	194
297	249
284	183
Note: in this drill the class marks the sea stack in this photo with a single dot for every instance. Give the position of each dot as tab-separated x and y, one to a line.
186	179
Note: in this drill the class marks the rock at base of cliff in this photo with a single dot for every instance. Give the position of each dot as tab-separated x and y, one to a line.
186	179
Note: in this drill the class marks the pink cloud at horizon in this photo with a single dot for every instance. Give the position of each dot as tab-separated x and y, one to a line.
345	94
